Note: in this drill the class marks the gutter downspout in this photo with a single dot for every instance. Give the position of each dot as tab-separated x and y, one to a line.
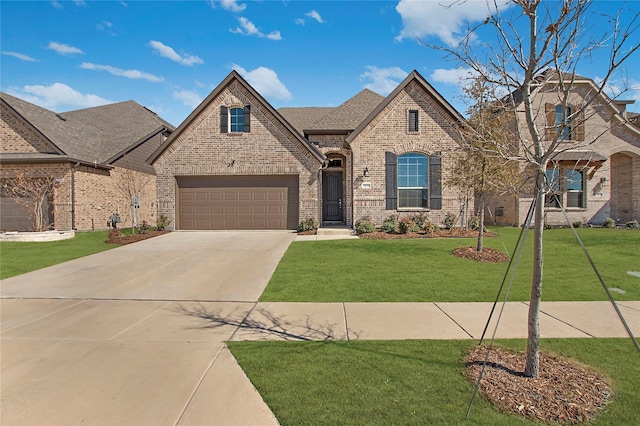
73	195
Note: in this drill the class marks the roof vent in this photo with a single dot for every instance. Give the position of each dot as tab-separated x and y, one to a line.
61	117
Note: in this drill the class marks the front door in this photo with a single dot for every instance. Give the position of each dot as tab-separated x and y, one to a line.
332	202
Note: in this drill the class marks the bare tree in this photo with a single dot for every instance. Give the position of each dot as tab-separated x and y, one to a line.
538	47
132	186
34	193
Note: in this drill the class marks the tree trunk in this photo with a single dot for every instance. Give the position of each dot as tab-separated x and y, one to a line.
533	343
480	244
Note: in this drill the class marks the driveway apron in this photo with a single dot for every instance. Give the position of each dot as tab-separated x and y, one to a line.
133	335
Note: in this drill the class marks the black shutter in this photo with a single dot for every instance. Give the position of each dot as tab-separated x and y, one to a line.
435	181
224	119
246	119
391	180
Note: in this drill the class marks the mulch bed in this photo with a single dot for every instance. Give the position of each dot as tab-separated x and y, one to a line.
443	233
564	392
118	238
487	255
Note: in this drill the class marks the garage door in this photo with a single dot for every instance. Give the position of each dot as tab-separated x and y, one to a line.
237	202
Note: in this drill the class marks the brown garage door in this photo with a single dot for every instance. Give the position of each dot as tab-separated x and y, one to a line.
237	202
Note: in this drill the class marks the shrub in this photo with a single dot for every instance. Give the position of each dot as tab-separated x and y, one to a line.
430	227
162	222
114	233
609	223
390	224
144	228
407	224
633	224
420	219
450	220
474	223
365	225
307	225
577	224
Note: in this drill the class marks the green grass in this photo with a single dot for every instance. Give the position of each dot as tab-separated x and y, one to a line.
19	258
410	382
423	270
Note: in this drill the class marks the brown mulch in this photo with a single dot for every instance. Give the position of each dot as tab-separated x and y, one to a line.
564	392
117	238
487	255
443	233
308	232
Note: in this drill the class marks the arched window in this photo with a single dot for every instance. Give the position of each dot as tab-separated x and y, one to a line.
413	180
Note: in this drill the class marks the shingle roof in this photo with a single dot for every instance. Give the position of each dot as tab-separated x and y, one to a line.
347	116
93	134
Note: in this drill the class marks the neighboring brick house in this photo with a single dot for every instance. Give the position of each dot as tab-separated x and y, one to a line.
92	152
595	173
237	163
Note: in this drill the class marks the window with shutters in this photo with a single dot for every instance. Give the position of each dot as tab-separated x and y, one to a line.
565	187
413	121
235	119
564	123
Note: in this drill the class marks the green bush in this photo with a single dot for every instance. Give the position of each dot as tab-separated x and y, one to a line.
577	224
609	223
474	223
430	227
307	225
420	219
407	224
633	224
450	220
390	224
365	225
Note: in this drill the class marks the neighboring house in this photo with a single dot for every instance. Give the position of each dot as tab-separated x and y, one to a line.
93	153
595	173
238	163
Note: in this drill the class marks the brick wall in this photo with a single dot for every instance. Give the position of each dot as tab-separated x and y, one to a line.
269	149
18	136
389	132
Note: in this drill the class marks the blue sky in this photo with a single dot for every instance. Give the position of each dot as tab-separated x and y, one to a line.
168	56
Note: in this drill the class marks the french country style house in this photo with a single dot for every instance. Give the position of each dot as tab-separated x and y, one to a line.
97	156
238	163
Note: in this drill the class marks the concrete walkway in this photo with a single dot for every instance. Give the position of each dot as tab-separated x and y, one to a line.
104	340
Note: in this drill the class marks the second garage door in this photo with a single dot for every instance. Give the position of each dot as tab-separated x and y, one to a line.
237	202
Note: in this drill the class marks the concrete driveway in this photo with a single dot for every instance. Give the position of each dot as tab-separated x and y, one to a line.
128	336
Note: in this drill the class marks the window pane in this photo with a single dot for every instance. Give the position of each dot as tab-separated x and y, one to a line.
574	199
412	198
553	180
574	180
237	120
561	119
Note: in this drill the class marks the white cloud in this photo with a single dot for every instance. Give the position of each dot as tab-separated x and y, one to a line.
446	20
168	52
315	15
80	2
384	80
58	95
56	4
188	98
299	21
20	56
64	49
248	28
455	76
230	5
266	82
132	74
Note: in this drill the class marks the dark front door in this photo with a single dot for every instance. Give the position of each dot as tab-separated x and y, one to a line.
332	203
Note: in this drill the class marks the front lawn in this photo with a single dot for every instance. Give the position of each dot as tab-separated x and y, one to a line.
410	382
423	270
19	258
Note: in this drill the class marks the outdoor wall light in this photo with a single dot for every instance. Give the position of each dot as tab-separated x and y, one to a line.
603	181
366	171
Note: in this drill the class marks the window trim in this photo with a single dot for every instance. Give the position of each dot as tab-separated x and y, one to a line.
426	190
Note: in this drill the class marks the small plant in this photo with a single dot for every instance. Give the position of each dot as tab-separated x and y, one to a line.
609	223
420	219
450	220
430	227
390	224
365	225
144	228
307	225
114	233
633	224
406	225
474	223
577	224
162	222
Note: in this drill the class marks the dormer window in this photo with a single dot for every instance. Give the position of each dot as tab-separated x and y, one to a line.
235	119
412	117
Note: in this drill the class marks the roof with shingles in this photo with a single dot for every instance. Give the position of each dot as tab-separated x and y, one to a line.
93	134
303	118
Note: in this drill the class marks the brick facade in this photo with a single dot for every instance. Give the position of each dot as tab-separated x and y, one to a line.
268	149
